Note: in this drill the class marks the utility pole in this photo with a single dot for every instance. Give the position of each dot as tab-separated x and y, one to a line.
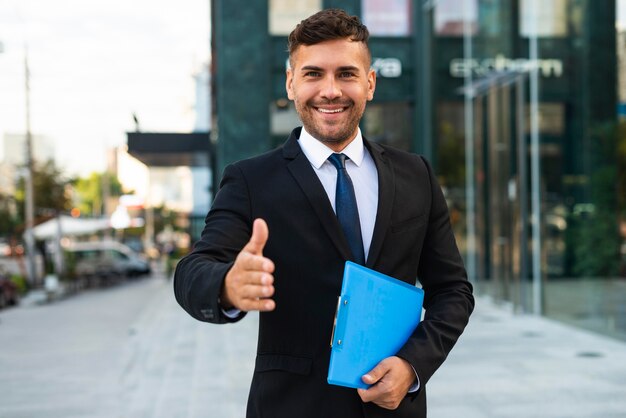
30	195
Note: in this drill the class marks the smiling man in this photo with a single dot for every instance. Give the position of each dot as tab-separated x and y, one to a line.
284	223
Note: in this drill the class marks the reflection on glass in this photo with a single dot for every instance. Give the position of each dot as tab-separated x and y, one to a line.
388	123
550	20
551	119
581	64
387	17
449	17
284	15
283	118
621	72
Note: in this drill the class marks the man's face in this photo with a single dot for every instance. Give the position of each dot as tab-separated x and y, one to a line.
330	83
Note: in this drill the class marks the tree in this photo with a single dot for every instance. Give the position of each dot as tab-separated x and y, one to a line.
90	191
50	190
8	215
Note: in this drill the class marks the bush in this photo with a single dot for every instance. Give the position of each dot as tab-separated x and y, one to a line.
20	282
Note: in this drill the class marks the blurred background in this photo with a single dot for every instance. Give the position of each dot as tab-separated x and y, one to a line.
117	118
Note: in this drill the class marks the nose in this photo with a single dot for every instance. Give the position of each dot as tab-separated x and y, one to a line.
330	88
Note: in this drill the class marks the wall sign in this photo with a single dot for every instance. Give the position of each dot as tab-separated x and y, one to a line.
387	67
547	67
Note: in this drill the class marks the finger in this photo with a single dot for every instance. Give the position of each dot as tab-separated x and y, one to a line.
257	278
260	233
372	394
256	291
262	305
250	262
366	395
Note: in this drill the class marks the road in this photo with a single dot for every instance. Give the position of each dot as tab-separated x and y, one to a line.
125	351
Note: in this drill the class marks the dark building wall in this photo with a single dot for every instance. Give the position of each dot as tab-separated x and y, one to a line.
241	47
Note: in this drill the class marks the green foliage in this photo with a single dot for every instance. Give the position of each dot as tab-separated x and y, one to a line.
593	235
90	191
596	244
164	216
20	282
49	188
8	215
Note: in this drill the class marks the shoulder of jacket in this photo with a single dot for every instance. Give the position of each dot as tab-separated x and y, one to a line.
258	160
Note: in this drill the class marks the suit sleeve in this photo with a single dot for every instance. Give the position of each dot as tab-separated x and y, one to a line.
199	276
448	300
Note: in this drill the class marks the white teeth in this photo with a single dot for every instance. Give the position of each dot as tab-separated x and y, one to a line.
330	111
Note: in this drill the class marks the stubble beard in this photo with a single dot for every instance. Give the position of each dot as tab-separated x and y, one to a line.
321	132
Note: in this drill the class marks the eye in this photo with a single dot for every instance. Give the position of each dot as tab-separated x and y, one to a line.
346	74
312	74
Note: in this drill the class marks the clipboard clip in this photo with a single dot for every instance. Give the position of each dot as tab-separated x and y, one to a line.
341	301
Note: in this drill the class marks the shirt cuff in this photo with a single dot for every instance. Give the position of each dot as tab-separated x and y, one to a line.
415	386
232	313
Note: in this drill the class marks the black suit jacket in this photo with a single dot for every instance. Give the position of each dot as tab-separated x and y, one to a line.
412	238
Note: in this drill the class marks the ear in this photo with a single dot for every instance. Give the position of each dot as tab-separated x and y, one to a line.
371	84
289	84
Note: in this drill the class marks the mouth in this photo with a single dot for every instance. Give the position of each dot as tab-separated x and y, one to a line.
327	111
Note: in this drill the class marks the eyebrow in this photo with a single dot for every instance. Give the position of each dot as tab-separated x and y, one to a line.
316	68
311	68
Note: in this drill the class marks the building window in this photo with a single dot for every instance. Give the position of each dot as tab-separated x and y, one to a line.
283	118
284	15
387	17
389	123
549	18
551	119
451	144
450	17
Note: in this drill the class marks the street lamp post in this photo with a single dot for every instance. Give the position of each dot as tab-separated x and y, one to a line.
470	190
535	159
30	195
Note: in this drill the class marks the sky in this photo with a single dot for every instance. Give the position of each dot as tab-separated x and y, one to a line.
93	64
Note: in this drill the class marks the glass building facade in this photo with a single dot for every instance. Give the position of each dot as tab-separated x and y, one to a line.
538	125
519	104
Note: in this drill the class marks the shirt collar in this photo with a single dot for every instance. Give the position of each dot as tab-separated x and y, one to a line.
317	153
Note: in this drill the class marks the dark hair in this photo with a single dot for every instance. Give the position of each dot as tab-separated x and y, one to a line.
327	25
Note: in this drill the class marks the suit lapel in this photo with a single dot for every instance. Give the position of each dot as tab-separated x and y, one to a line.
386	192
300	168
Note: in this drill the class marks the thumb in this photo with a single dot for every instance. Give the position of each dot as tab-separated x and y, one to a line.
375	374
260	233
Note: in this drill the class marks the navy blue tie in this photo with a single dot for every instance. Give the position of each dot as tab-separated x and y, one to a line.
346	208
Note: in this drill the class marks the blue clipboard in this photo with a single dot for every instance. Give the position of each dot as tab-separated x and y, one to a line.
376	314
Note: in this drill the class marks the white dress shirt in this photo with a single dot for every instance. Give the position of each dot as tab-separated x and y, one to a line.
361	169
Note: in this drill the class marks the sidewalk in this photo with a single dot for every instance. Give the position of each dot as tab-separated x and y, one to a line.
510	366
504	366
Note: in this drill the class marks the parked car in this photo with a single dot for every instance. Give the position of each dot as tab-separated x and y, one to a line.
106	259
9	293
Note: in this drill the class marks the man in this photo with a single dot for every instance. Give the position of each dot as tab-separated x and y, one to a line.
273	242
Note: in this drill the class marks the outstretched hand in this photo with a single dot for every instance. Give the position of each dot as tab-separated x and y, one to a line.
249	284
390	380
